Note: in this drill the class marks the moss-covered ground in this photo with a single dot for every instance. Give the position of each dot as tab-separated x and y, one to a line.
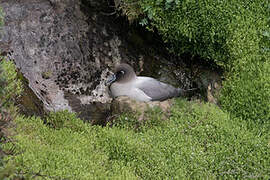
198	141
233	34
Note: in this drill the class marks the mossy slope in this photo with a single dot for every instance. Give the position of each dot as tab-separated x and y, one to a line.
234	34
198	141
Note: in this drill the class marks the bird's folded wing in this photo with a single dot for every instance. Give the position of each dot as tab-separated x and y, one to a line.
158	91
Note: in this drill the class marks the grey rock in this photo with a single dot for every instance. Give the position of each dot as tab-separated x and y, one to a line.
61	49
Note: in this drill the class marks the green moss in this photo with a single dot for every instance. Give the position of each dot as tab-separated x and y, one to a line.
67	152
151	118
204	28
246	93
233	34
10	86
197	141
10	89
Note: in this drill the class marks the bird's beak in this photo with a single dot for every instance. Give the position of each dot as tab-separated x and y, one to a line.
111	79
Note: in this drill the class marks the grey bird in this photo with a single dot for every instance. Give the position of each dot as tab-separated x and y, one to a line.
124	82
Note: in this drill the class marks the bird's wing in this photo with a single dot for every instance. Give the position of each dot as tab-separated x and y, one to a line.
155	89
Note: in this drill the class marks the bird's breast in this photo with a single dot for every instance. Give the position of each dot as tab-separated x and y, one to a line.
128	89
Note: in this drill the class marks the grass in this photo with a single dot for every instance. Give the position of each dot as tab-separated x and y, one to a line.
197	141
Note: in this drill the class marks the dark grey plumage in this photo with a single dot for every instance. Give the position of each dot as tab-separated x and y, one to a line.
159	91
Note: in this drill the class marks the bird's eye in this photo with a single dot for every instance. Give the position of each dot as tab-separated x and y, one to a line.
123	72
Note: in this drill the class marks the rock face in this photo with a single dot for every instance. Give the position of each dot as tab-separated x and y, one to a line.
66	49
61	50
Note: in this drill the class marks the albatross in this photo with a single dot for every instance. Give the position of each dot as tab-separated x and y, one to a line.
124	82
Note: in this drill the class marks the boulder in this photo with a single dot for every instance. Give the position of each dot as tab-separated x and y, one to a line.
66	49
63	47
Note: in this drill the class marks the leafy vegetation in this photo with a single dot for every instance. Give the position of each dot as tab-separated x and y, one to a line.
197	141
